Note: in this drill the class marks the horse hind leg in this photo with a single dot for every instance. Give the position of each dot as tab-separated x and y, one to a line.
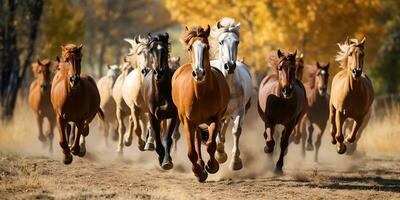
167	142
284	144
121	130
318	142
237	163
221	156
194	150
269	138
75	149
135	127
212	166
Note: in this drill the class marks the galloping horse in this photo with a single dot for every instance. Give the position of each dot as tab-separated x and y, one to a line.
318	106
75	98
282	100
352	94
39	99
240	84
156	92
107	103
201	95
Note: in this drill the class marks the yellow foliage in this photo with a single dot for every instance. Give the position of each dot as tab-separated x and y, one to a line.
313	27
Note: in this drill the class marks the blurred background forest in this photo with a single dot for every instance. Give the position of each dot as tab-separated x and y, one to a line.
35	29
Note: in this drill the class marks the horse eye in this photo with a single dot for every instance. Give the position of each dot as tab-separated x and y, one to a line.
351	54
221	42
190	48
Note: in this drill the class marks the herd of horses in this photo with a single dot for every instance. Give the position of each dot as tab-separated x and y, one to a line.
155	95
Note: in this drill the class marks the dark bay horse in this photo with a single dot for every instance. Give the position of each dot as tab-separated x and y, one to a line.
352	94
39	99
75	98
282	100
156	92
201	95
318	106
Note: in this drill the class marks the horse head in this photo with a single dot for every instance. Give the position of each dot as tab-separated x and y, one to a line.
42	72
113	70
226	32
174	62
159	49
196	40
141	52
322	78
351	56
72	54
287	72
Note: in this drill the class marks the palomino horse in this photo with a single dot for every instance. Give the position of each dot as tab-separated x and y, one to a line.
39	99
282	100
201	95
107	103
131	91
156	92
240	84
352	93
75	98
318	106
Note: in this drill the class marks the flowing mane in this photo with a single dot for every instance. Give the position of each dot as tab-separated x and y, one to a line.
224	25
192	32
343	53
273	62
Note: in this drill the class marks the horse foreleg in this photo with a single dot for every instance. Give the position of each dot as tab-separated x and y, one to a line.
75	149
284	144
318	142
39	122
221	155
332	121
62	129
121	130
150	135
310	129
236	163
340	147
190	133
167	142
269	137
155	125
212	164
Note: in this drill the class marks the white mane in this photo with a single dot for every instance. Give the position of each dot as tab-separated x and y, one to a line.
225	24
343	53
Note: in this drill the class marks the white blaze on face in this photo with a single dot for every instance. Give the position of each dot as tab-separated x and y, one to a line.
198	48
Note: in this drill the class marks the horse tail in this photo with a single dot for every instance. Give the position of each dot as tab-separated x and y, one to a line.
101	114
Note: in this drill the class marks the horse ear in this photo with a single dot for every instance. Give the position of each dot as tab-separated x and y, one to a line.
38	62
136	39
301	56
237	26
363	41
108	66
58	59
166	35
63	48
130	41
218	25
186	28
207	31
280	53
318	65
327	66
295	53
178	59
80	47
347	42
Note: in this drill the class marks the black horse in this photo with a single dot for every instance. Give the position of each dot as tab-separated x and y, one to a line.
156	91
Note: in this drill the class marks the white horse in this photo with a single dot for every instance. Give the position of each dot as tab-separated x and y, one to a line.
238	76
107	103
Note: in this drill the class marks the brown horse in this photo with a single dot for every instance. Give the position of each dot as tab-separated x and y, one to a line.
318	106
75	98
39	99
352	93
201	95
282	100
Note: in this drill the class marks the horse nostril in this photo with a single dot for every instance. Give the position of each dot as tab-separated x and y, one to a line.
204	73
226	66
194	74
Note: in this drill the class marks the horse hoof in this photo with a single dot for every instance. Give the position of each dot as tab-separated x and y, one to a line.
82	151
269	146
348	140
120	152
221	157
212	167
167	165
310	147
203	177
149	146
128	142
141	145
75	151
236	164
268	150
42	138
278	171
67	159
341	148
333	141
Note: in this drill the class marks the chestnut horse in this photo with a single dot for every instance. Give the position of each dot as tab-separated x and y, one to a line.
107	103
39	99
282	100
201	95
318	106
156	92
75	98
352	94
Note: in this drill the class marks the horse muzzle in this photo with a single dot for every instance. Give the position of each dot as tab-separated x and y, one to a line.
199	74
230	66
287	91
74	80
356	72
